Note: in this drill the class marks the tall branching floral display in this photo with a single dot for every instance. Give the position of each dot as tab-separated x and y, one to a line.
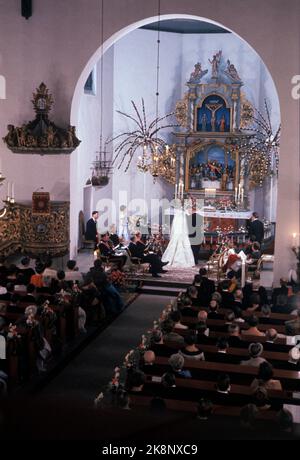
261	153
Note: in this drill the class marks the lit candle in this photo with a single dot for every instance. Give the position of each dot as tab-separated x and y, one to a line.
12	190
8	191
176	191
242	195
294	240
179	190
235	195
243	280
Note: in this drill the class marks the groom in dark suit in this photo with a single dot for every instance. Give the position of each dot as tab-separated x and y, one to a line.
91	232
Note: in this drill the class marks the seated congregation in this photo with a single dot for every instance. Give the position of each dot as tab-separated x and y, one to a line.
217	350
43	311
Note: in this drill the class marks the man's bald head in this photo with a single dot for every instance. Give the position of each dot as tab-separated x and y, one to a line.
149	357
202	316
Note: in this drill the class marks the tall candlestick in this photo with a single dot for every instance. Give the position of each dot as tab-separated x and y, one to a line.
243	280
180	190
235	194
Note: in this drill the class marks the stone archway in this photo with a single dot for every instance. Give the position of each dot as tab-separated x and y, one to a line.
79	88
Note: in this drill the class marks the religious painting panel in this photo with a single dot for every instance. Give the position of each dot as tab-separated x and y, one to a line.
213	115
211	167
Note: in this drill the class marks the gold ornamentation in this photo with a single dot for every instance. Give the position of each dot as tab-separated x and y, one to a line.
261	152
181	111
42	100
21	230
41	135
247	112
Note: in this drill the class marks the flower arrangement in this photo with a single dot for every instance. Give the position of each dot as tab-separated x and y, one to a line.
225	204
129	359
116	378
117	278
144	343
13	332
13	340
49	315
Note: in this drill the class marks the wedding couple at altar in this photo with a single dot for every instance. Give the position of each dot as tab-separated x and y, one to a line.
185	240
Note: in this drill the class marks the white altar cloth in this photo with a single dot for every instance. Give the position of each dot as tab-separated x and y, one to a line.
219	214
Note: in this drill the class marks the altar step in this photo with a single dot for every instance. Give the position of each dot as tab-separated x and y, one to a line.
162	288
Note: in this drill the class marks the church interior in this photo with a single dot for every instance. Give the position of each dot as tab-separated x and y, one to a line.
149	225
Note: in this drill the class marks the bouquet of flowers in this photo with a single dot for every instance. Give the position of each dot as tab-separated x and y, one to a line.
49	316
117	278
13	340
132	359
12	332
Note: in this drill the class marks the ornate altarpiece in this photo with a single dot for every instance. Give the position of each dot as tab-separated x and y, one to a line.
211	116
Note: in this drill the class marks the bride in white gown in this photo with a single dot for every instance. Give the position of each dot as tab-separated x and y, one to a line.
179	253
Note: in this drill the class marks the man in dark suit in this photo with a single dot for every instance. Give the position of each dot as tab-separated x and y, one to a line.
205	286
283	290
137	248
91	233
256	229
106	250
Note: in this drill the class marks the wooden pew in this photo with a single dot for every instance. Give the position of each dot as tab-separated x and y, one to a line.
206	388
239	374
235	351
282	317
191	407
245	338
219	324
